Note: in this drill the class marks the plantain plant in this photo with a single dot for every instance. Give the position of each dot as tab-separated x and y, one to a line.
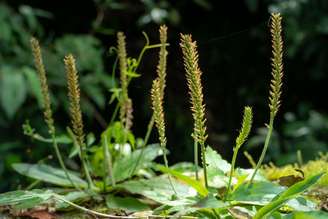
276	82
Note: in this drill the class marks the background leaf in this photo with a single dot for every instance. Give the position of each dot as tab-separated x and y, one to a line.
48	174
12	90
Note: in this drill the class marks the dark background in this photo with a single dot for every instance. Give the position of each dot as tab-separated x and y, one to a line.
234	46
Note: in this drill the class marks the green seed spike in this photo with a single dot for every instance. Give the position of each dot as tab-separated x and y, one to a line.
36	50
157	105
240	140
162	62
47	112
74	98
193	75
75	111
125	102
276	63
246	126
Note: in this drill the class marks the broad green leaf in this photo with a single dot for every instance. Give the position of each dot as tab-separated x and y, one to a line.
12	90
290	193
216	169
259	193
21	199
160	190
198	186
48	174
123	168
128	204
25	199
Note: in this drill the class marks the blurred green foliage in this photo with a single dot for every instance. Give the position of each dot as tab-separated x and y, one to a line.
20	95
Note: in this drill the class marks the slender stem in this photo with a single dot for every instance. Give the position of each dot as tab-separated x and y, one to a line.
299	158
60	160
117	107
196	159
146	48
250	159
166	163
86	171
39	137
266	144
109	164
108	215
105	172
88	210
204	163
149	129
232	169
82	157
33	184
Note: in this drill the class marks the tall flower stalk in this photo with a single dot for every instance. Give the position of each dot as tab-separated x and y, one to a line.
161	76
47	112
125	102
276	81
240	140
75	112
193	75
157	105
